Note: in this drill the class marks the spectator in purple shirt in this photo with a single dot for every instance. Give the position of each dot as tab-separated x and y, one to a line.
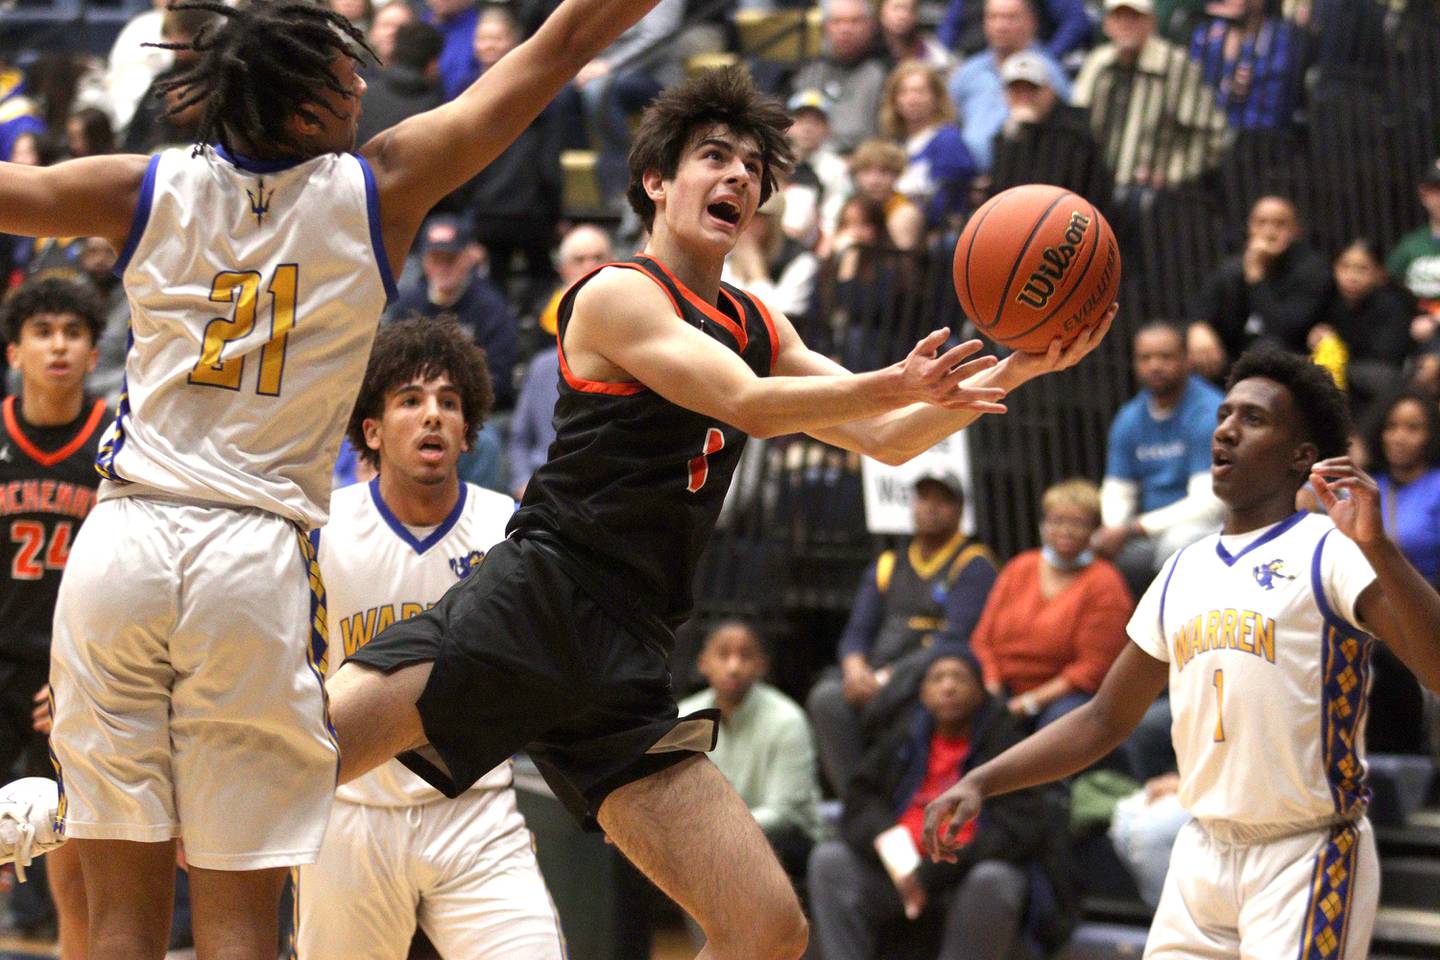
455	19
1253	60
1064	22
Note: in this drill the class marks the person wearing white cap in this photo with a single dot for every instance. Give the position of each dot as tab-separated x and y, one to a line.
1044	140
976	87
1150	109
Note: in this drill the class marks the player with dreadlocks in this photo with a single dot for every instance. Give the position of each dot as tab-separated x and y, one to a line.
188	642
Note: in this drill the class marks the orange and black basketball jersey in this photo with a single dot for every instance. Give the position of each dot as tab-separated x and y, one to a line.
634	483
47	486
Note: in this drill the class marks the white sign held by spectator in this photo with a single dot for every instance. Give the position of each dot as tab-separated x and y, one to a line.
888	489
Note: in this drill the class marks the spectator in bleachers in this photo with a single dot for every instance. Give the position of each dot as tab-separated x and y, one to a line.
1156	496
1055	620
383	26
1065	23
875	169
453	285
133	65
358	12
1044	140
976	86
19	118
875	875
764	747
1415	261
514	203
904	40
1150	110
1371	316
1403	444
933	588
770	265
850	72
918	113
608	89
819	181
88	133
151	128
455	19
1177	18
408	84
1275	290
532	428
1253	60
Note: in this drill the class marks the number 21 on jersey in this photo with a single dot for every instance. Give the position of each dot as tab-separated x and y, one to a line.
242	288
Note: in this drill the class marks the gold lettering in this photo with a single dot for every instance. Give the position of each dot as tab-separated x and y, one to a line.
1212	629
357	630
1227	628
1247	631
1265	637
408	610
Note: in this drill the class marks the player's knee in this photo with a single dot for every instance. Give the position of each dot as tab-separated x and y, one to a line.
825	698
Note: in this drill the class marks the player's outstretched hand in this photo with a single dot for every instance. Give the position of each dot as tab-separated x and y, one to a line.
1027	366
927	376
945	815
1358	515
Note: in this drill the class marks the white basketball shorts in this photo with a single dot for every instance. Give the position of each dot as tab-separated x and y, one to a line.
186	673
463	868
1312	896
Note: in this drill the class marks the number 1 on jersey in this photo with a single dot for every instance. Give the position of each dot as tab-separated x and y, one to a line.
1219	683
700	466
243	290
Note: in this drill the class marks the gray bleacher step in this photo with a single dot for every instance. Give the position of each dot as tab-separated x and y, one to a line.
1105	941
1411	882
1407	933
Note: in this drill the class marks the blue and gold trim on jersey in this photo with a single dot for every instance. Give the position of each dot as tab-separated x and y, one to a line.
114	437
1344	679
317	650
61	805
1332	884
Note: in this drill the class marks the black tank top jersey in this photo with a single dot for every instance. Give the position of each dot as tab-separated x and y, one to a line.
47	486
634	483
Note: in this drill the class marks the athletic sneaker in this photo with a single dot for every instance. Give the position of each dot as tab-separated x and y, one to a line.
28	821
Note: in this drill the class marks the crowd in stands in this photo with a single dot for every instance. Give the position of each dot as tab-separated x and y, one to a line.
907	118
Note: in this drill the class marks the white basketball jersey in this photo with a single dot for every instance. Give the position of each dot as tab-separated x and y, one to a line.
1268	671
377	571
255	289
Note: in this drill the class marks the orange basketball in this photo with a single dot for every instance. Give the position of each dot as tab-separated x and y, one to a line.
1035	263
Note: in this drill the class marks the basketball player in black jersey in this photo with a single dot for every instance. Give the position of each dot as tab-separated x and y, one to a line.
558	644
48	437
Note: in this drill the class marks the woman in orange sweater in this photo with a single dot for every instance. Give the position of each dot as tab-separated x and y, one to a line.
1056	617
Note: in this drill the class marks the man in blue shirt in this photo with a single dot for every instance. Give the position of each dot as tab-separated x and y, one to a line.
455	19
1156	496
976	88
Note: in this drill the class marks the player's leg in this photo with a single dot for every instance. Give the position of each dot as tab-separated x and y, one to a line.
1197	917
374	714
1311	897
252	757
488	901
67	889
236	912
132	891
358	899
688	831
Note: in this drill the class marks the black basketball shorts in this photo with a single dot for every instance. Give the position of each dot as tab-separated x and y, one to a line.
524	659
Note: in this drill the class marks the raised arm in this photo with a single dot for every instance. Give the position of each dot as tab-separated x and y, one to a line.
429	155
90	197
896	436
1067	746
624	327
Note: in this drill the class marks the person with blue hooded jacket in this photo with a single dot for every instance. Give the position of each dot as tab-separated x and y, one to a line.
1001	890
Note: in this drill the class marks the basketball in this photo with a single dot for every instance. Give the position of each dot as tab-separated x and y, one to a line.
1034	263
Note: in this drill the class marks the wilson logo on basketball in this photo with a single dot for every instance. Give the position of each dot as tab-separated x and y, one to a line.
1056	260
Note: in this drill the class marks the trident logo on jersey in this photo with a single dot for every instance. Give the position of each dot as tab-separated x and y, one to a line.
464	566
259	201
1266	573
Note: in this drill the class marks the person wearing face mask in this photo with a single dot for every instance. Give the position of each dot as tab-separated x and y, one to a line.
1055	619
